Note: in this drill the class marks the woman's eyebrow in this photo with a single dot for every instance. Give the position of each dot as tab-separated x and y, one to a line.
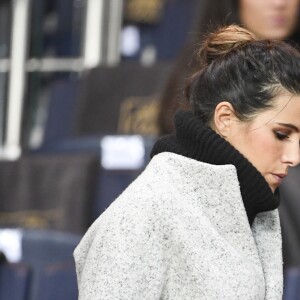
291	126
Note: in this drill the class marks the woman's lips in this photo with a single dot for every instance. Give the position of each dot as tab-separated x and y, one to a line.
278	21
279	178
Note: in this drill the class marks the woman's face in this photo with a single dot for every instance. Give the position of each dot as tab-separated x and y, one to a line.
271	142
273	19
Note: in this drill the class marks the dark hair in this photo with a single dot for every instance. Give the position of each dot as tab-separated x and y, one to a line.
245	71
211	15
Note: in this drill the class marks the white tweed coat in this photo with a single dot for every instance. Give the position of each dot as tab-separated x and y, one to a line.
180	231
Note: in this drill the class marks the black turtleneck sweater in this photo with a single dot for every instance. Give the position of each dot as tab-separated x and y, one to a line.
195	140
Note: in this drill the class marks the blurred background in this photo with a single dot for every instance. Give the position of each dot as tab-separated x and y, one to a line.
82	84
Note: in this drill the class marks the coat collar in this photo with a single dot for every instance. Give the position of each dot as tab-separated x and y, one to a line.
195	140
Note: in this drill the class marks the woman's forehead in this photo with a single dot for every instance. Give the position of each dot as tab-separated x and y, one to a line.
286	110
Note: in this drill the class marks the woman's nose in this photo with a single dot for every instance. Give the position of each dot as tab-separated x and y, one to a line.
280	3
292	155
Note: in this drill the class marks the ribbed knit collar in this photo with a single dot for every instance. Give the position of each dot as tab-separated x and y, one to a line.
195	140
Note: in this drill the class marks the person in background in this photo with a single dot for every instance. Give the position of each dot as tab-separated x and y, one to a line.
275	19
201	221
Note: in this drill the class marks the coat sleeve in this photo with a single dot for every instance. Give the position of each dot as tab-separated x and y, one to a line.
123	256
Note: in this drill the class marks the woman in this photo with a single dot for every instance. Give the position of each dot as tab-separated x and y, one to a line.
201	221
266	18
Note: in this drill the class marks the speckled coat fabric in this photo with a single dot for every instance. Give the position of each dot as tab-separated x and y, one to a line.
180	231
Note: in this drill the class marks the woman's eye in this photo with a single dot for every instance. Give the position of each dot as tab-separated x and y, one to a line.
280	135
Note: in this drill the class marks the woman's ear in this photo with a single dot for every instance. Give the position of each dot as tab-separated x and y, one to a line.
224	117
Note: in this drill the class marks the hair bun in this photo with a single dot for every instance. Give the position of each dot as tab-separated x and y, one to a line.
223	41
